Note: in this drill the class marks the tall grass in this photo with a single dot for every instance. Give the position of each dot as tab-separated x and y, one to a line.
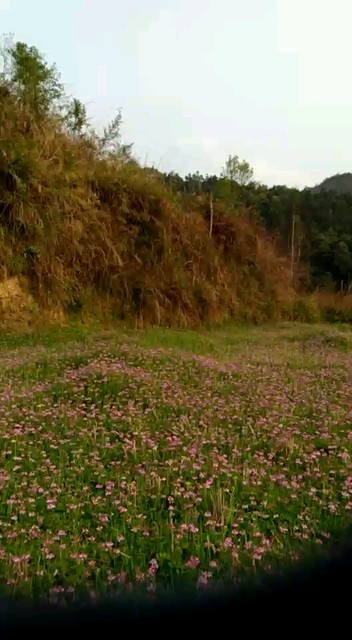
334	307
91	233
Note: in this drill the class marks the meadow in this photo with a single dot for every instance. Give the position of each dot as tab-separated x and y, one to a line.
146	459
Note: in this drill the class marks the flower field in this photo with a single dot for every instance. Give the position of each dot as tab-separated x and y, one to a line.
148	458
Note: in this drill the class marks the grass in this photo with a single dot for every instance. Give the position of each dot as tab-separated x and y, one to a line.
84	231
147	458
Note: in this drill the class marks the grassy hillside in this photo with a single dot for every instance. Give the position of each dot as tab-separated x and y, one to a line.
83	227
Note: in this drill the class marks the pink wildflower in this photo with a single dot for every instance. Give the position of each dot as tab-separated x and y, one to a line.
192	563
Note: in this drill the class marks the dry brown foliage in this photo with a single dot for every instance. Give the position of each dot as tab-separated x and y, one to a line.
334	307
90	233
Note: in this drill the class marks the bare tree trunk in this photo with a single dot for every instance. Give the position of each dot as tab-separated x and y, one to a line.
299	248
293	241
211	214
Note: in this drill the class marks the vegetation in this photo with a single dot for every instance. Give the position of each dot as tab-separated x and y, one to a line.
153	457
158	456
88	228
340	183
83	226
313	226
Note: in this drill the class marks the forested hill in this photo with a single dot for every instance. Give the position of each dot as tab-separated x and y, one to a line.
322	233
340	183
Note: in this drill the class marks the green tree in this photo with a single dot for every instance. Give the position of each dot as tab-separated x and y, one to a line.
343	261
237	170
225	190
76	117
35	83
194	183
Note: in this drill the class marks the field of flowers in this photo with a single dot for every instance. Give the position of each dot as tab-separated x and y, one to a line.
145	458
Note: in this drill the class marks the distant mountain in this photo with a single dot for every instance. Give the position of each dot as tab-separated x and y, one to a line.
340	183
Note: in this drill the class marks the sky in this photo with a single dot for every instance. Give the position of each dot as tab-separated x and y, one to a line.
197	80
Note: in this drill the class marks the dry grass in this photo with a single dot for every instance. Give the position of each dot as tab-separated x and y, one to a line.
334	307
93	234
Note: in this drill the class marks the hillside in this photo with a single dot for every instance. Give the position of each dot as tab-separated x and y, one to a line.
83	228
321	245
340	183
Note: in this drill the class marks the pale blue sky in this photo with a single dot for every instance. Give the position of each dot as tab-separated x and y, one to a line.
269	80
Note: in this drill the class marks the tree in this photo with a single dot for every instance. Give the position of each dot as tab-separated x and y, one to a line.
76	117
35	83
343	261
237	170
194	183
110	142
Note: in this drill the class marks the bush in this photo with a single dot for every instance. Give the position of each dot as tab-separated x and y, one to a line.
306	310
